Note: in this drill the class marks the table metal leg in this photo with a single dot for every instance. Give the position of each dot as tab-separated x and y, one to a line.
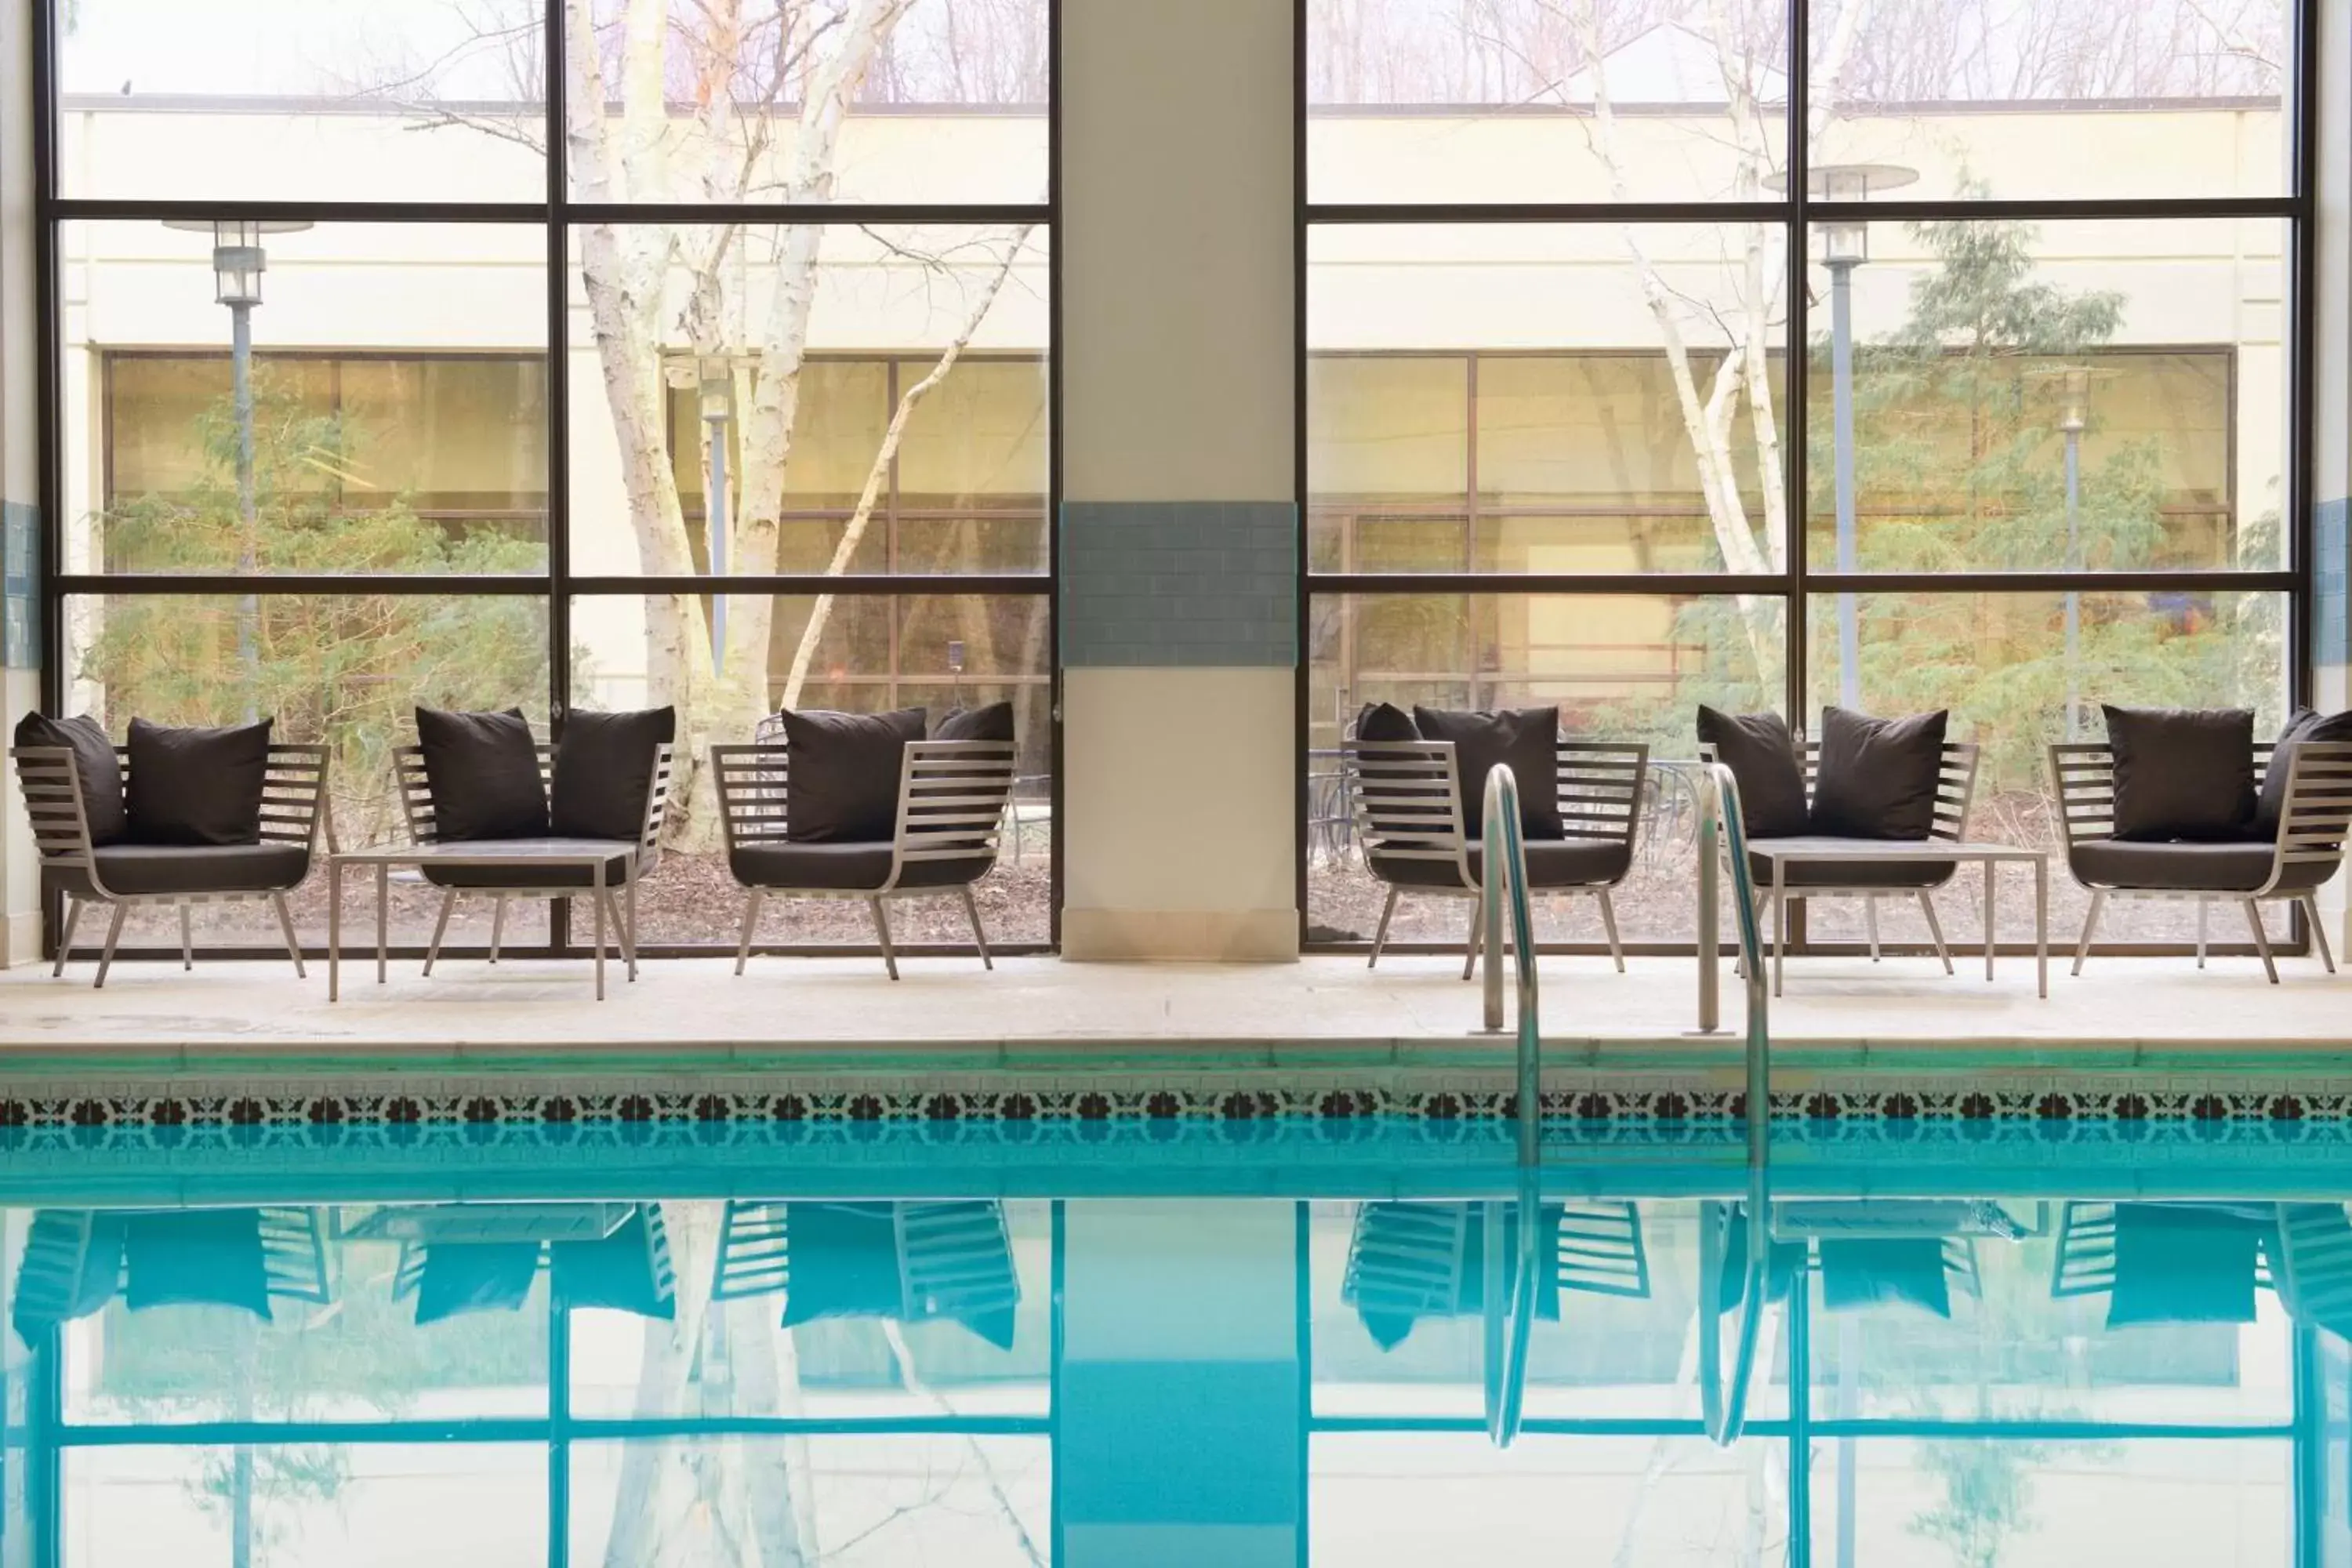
334	929
382	920
2041	925
1779	922
1991	881
596	897
629	926
1710	961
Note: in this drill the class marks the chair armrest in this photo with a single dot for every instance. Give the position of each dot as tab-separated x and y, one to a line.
749	782
294	796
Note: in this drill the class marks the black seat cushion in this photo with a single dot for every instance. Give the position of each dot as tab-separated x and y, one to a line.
1877	778
1762	756
1551	863
2270	803
131	869
96	768
197	786
845	867
482	772
1891	876
989	721
2182	773
534	878
603	771
1525	739
842	783
2238	868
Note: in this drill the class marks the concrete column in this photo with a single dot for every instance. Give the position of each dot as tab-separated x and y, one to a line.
2331	330
1181	1388
20	516
1179	631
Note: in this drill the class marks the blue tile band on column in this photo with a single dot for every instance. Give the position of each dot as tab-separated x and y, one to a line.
1180	583
20	586
2330	644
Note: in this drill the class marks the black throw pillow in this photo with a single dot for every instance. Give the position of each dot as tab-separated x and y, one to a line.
2305	725
1526	738
482	771
197	786
990	721
1762	756
1385	722
842	783
603	768
1877	777
96	766
2182	773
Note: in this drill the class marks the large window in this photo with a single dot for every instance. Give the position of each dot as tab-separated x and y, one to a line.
366	392
2047	448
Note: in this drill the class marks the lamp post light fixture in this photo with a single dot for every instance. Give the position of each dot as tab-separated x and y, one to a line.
239	262
2073	416
1845	245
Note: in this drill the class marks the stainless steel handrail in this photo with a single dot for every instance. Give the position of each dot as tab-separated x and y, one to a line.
1507	1330
1723	1403
1504	863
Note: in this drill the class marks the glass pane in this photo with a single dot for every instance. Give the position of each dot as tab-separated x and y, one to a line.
2087	98
433	101
2054	1502
2082	1312
1620	667
1398	1293
278	1314
313	1505
2102	396
1999	663
1621	411
913	400
863	653
840	1334
862	1502
947	104
397	417
1454	1497
1529	101
343	670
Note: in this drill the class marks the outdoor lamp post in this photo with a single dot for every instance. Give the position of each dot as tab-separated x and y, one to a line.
711	378
2070	421
1845	245
238	263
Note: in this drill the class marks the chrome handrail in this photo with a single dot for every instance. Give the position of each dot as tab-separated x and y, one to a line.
1503	862
1724	1404
1507	1331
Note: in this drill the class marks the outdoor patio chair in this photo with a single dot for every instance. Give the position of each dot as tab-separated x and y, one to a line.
77	1260
1419	833
952	797
2312	1267
625	1268
907	1262
644	830
1407	1261
91	852
2289	864
1861	876
2167	1263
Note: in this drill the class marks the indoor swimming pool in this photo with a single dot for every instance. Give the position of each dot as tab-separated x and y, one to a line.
1145	1344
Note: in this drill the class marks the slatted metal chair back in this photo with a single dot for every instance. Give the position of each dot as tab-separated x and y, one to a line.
295	1258
1406	799
1408	1259
2313	1271
53	1275
293	799
754	1251
2083	772
2314	821
951	799
955	1260
1601	1251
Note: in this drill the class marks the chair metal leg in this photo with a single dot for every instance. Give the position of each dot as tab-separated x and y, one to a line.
2261	943
2204	907
1935	928
1477	936
498	923
285	929
751	922
979	935
1870	922
1609	924
440	929
2318	931
65	937
627	937
2090	926
187	938
882	930
1381	936
106	956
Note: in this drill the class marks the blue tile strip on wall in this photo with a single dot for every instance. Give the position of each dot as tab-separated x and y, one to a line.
20	586
1180	583
2330	641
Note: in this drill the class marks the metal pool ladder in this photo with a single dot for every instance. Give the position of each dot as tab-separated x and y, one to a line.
1504	869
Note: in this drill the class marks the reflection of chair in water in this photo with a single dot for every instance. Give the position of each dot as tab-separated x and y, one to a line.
1407	1261
1873	1252
456	1259
2164	1263
75	1260
2312	1267
71	1266
912	1262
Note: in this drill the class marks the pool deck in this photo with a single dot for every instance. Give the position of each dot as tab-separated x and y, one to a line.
945	1015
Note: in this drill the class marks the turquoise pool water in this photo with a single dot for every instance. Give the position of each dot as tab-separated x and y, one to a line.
1151	1344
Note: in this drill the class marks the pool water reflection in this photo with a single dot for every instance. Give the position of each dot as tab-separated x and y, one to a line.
2154	1377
